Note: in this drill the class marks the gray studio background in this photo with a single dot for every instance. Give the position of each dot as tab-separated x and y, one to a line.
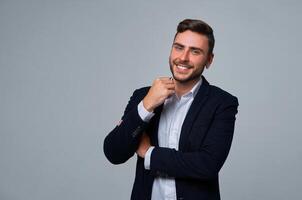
68	68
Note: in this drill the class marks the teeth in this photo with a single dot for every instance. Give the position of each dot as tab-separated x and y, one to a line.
183	67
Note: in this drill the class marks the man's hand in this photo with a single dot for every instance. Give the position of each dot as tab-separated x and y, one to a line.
143	145
160	90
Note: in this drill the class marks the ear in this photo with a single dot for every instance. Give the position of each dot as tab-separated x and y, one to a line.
209	61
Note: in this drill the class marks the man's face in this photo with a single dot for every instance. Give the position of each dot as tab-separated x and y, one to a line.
189	55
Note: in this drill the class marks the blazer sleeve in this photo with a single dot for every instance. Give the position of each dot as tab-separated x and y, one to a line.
121	143
205	163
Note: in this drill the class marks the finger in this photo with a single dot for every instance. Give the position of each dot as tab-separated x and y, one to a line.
161	79
145	138
169	84
171	92
167	81
164	78
170	87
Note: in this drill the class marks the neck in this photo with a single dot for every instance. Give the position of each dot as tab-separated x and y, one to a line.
182	88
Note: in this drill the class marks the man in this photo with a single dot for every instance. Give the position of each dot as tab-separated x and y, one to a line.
181	128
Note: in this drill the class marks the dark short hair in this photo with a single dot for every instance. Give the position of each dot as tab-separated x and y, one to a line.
200	27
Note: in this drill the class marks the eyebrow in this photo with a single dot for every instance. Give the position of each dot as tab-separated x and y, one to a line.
192	48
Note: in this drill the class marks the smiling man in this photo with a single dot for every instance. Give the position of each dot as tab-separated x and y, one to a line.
181	128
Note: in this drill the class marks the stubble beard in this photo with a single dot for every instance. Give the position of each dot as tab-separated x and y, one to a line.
191	78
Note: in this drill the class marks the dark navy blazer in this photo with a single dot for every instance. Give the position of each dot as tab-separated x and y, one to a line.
204	144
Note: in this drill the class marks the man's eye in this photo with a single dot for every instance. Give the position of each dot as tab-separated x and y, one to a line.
196	52
178	47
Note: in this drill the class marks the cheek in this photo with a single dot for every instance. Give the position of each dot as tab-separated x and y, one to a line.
172	57
175	54
199	61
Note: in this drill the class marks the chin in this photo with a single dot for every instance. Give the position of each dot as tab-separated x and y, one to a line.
186	78
182	76
181	79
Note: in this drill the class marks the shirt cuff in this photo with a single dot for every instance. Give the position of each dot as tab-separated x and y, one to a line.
144	114
148	158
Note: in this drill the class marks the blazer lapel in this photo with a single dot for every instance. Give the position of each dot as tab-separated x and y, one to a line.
193	111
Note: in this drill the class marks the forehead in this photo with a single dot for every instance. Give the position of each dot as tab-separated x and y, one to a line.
192	39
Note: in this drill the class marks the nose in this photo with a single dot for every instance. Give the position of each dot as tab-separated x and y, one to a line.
184	57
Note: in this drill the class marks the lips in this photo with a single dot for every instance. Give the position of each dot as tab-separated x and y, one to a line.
183	67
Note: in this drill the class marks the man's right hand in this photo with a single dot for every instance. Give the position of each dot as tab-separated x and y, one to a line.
160	90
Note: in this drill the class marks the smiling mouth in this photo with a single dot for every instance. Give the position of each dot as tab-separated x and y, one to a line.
183	67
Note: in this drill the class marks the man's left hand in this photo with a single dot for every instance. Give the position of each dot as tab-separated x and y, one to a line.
143	145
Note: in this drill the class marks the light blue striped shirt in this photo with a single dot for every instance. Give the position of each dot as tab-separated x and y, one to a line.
171	119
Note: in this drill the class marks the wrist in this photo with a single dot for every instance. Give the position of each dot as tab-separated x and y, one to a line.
148	106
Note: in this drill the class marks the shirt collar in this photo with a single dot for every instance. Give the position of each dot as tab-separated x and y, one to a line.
195	89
